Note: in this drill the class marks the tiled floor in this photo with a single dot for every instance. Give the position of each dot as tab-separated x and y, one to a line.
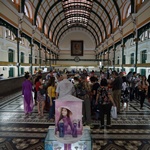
130	131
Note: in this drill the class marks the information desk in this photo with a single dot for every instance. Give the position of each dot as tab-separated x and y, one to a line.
84	143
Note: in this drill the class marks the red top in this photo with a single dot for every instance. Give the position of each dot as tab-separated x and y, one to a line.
37	85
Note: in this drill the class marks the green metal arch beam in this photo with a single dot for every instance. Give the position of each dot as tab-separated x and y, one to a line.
88	24
48	13
102	23
53	21
60	1
22	6
105	12
74	27
36	11
132	6
118	11
89	18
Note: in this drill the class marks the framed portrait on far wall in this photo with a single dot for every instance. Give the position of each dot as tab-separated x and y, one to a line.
76	48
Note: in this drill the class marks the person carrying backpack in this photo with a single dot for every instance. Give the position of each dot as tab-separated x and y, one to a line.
83	92
105	101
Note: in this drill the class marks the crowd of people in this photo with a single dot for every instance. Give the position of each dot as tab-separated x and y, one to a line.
99	92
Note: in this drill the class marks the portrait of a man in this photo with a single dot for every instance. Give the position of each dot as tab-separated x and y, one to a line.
76	48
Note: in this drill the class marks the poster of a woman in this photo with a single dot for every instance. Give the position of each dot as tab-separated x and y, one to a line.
64	124
68	121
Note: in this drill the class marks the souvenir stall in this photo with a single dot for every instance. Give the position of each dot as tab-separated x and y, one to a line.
68	132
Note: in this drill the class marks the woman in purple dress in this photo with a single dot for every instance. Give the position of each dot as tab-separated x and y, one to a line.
27	94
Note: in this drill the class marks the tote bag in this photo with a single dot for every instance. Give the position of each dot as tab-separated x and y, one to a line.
114	112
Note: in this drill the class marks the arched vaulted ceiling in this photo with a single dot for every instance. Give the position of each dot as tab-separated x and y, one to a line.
97	17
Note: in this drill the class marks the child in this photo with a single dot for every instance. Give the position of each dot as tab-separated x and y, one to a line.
64	122
125	93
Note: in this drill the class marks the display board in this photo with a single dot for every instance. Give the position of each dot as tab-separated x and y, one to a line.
68	119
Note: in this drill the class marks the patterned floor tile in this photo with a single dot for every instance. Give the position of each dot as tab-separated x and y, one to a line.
130	131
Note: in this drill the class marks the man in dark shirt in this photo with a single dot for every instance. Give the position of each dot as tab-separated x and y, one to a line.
95	86
116	90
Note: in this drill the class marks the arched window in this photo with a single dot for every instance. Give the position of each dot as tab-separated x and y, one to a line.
100	38
7	33
11	59
28	10
104	35
128	12
50	35
45	29
142	37
10	55
22	57
109	29
116	23
143	56
56	42
38	22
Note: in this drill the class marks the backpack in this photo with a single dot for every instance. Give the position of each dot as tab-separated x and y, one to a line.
103	98
80	90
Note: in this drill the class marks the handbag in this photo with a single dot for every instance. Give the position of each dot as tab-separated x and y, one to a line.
114	112
42	91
